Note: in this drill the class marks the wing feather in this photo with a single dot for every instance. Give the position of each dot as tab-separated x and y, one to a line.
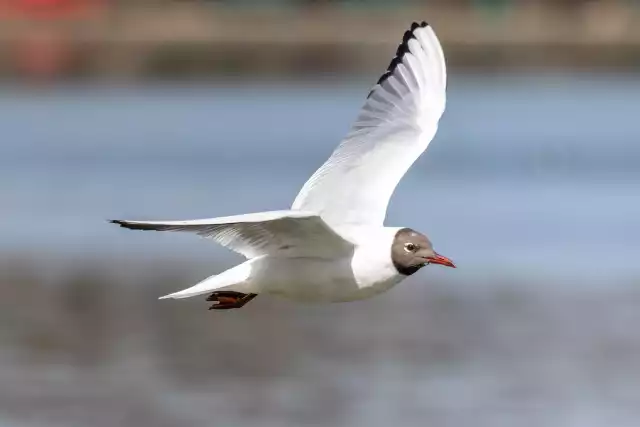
266	233
396	124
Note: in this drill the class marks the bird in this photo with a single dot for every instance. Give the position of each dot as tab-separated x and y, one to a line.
332	244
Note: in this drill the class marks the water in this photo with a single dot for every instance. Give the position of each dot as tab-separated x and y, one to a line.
528	175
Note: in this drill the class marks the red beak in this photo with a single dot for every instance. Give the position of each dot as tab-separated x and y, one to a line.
442	260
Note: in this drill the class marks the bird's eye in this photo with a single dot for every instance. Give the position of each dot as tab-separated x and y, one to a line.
410	247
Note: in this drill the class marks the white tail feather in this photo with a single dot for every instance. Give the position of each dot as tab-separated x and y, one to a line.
235	278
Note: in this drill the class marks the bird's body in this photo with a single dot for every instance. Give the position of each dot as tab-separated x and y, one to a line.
317	279
332	245
363	271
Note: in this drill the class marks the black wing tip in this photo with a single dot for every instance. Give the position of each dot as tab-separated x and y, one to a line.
121	223
140	225
403	49
422	24
130	226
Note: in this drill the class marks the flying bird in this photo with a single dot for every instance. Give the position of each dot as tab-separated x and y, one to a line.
332	245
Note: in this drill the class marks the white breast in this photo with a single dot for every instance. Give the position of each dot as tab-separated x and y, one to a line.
371	264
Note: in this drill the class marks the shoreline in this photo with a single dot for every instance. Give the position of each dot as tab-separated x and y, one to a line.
132	42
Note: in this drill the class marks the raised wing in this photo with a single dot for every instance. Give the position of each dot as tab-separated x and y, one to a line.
266	233
396	124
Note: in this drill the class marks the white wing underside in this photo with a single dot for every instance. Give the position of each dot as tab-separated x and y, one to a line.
294	233
396	124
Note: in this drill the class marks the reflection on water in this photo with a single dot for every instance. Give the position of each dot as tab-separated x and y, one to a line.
530	186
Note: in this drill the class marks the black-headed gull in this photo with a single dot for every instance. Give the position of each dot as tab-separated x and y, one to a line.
332	245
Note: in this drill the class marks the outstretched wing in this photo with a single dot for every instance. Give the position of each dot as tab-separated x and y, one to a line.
396	124
266	233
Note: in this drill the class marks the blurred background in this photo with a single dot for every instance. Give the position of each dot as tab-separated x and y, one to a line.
195	109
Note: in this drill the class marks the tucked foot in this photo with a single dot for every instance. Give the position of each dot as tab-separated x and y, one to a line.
225	300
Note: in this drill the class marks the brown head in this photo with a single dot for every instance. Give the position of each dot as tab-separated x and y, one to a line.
411	251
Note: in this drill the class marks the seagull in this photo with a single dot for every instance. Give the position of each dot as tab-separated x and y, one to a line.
332	245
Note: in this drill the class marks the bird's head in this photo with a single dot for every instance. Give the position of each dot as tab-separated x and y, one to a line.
411	251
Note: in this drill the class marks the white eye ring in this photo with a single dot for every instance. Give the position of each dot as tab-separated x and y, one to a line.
410	247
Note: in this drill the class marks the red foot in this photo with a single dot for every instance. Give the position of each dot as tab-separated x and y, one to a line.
225	300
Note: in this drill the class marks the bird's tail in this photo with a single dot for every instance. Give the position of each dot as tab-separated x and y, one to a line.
236	278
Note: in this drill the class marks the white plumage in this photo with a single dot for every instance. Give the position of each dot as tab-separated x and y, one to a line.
396	124
332	245
281	233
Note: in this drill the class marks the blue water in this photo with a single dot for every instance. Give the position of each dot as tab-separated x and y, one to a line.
528	175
